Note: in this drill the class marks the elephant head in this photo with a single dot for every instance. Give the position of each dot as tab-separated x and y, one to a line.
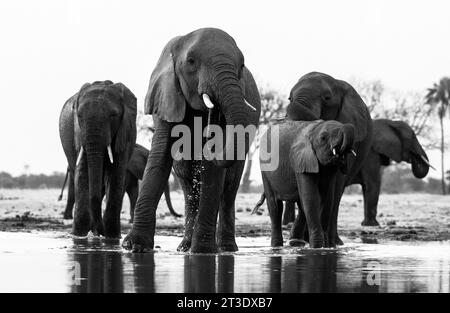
324	143
396	140
320	96
203	70
105	128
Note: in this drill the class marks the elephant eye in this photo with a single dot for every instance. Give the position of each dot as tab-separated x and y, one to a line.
327	97
190	61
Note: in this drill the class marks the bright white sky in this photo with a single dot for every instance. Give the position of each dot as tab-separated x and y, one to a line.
50	48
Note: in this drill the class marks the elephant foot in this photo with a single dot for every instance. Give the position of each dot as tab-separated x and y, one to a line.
184	245
137	242
76	232
297	242
370	222
112	235
230	246
339	241
68	215
80	226
277	242
97	230
204	247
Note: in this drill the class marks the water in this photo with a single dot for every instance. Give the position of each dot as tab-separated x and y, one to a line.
54	263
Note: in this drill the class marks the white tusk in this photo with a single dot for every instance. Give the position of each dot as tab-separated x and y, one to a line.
110	154
334	151
426	161
353	152
251	106
207	101
79	155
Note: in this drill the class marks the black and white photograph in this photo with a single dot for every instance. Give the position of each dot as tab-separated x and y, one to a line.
224	153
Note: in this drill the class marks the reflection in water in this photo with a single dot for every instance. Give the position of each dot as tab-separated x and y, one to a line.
100	266
283	270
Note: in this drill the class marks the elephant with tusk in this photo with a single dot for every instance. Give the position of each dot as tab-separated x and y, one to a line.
392	141
97	128
312	154
200	76
135	171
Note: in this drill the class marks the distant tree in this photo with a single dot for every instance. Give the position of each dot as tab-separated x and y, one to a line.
273	107
438	96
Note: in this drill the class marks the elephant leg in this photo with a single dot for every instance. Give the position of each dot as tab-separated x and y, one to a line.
114	199
68	215
371	192
191	208
226	226
298	236
310	200
332	234
82	219
289	212
204	235
275	208
132	189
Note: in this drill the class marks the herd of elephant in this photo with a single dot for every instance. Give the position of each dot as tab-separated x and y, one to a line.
327	141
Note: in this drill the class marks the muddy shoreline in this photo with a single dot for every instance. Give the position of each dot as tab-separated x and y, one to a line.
405	217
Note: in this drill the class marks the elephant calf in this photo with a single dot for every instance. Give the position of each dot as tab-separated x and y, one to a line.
97	128
392	140
135	171
311	153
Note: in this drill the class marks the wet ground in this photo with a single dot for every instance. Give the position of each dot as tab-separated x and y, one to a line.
54	262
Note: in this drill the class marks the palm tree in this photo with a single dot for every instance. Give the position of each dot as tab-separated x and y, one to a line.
439	96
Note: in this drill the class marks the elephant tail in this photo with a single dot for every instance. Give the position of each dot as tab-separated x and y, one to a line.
260	202
64	185
169	201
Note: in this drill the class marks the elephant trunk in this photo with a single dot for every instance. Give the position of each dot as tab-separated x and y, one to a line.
95	150
419	160
348	137
234	108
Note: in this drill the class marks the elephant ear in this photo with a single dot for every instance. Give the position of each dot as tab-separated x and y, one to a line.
387	139
303	158
164	96
126	134
75	98
138	160
354	111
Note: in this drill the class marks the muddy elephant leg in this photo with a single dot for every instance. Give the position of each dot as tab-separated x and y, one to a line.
132	186
190	209
204	235
371	192
226	226
114	198
68	215
289	212
298	236
82	219
308	186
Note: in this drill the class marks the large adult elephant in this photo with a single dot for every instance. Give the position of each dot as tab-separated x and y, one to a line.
135	171
98	132
320	96
392	140
199	76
